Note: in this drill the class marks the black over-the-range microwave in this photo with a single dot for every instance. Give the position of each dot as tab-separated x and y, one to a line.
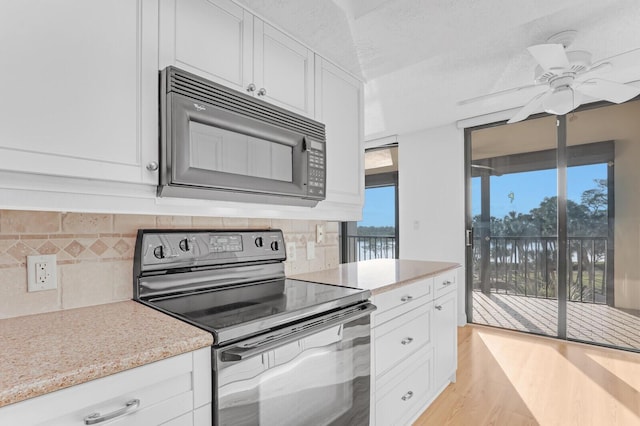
218	143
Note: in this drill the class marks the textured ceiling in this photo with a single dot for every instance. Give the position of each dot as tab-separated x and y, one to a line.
419	58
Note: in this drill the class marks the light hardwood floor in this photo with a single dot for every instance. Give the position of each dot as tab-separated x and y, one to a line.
510	378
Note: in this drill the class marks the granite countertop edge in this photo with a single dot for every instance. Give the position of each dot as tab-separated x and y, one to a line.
30	376
378	275
392	286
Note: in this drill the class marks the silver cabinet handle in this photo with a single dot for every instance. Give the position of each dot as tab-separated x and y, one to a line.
407	396
152	166
406	340
251	88
439	307
262	92
447	282
406	298
95	418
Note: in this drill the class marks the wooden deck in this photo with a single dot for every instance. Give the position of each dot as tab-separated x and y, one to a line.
585	321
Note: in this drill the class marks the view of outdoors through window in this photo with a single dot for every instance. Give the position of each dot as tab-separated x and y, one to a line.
523	220
375	235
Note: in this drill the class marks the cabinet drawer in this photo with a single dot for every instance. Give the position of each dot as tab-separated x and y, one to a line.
398	339
164	390
400	300
399	399
444	283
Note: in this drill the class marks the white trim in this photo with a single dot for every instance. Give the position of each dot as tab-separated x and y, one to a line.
486	118
386	140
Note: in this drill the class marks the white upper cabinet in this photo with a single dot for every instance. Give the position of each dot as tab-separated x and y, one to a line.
339	105
74	100
219	40
283	69
80	95
210	38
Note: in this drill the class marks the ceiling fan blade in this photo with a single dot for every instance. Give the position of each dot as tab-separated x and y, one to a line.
532	106
551	57
629	59
497	94
599	69
608	90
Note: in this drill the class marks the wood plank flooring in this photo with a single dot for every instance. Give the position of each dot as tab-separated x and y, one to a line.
510	378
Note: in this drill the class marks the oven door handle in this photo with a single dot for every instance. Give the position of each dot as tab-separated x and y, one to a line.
250	349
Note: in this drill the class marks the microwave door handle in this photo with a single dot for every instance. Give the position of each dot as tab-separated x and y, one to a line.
239	353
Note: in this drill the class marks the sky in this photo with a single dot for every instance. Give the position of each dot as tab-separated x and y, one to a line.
528	190
379	207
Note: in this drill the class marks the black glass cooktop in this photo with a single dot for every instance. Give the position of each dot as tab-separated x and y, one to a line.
240	311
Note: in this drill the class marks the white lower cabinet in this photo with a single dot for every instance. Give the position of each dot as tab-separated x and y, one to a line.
403	395
175	391
414	349
445	339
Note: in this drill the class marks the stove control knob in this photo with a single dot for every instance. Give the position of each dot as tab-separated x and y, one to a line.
259	242
184	245
158	252
274	246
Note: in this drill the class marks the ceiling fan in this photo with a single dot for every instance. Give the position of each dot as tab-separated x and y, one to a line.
571	78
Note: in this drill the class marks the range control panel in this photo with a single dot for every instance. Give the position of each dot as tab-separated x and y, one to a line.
161	250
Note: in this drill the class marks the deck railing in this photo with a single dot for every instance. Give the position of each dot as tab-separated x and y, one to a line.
527	266
370	247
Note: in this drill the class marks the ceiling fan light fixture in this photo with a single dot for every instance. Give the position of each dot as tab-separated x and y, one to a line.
562	101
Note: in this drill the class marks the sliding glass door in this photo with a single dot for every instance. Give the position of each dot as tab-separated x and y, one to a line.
554	211
514	194
603	227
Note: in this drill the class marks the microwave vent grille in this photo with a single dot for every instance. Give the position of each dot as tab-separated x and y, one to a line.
192	86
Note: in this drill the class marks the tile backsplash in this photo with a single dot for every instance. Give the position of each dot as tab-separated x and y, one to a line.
95	253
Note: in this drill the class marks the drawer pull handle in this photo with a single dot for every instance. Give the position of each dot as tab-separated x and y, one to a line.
439	307
406	340
96	418
407	396
446	283
406	298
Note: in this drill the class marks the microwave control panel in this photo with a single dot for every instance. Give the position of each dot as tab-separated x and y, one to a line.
317	169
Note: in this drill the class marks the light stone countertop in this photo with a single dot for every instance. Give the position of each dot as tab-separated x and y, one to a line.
378	275
47	352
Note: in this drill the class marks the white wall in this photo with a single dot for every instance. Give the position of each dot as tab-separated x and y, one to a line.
431	189
627	222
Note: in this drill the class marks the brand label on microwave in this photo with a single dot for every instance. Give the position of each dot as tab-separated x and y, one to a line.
199	107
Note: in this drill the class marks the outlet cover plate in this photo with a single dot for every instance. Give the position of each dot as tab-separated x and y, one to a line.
319	234
42	273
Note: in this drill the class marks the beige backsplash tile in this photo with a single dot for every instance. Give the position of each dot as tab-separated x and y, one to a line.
83	223
21	222
16	301
122	273
130	223
200	222
235	222
95	253
85	284
173	222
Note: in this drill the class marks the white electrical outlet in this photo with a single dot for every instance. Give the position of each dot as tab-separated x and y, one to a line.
42	273
319	234
311	250
291	251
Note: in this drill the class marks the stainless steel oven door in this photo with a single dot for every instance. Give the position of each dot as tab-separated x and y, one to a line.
311	374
